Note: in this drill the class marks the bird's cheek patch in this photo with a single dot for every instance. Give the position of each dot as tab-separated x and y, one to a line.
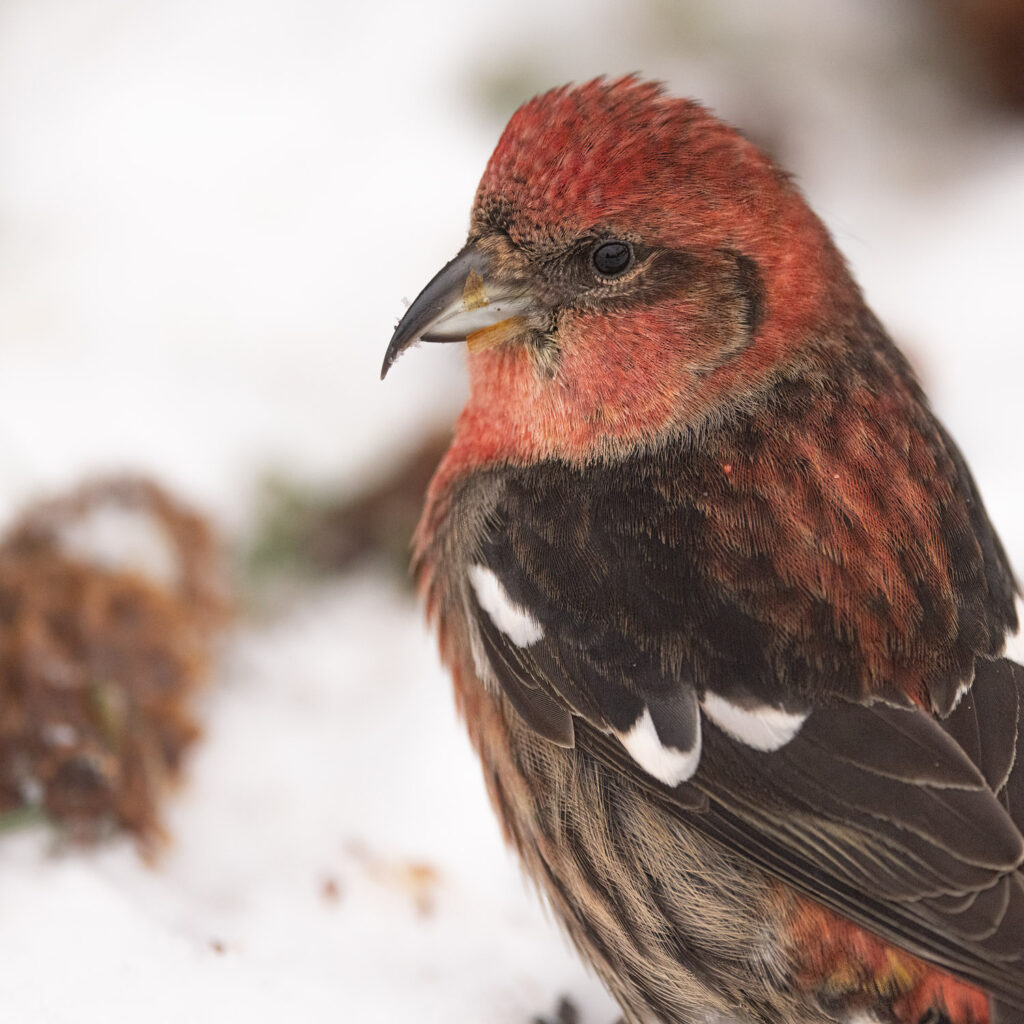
665	762
510	618
761	727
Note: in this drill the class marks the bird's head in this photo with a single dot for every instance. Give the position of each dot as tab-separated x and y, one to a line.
634	267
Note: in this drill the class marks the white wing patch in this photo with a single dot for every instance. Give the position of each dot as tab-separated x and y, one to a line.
1015	641
762	727
665	763
512	619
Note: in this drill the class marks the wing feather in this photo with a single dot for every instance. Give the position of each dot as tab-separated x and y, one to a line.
903	822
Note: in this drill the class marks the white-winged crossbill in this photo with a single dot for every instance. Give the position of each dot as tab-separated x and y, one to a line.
723	608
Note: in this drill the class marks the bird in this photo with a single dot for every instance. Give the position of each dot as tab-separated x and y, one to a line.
725	615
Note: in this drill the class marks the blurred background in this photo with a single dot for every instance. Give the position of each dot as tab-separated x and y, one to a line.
212	213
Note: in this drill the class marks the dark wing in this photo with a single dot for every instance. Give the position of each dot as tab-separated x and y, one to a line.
636	609
877	815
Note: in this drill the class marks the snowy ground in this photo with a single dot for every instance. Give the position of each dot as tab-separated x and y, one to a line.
210	211
334	860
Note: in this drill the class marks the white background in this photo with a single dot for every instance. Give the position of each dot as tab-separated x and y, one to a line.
210	214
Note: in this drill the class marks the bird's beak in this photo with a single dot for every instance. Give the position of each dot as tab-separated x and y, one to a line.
461	303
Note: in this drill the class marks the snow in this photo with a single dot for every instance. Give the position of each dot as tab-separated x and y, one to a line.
333	856
210	213
122	539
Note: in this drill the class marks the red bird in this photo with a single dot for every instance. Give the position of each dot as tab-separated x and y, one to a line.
723	608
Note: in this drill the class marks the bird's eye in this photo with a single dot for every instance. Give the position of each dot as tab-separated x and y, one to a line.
611	259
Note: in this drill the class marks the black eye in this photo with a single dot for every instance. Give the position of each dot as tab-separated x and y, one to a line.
612	258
